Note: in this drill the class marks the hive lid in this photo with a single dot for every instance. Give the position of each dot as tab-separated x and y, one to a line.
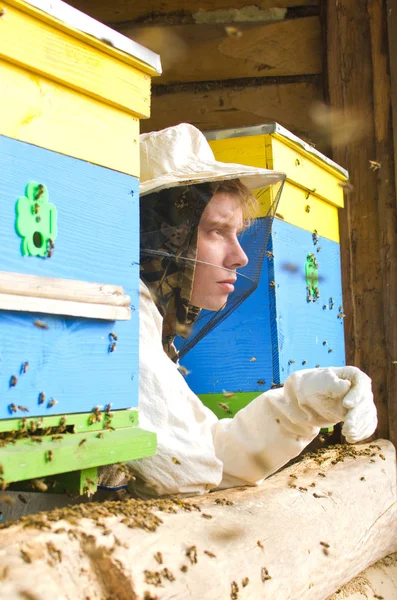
267	128
78	20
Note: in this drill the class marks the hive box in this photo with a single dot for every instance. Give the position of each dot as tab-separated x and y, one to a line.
73	92
294	319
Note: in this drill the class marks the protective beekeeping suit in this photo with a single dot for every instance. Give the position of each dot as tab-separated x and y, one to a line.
194	271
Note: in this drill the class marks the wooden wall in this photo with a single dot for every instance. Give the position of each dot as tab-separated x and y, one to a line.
221	72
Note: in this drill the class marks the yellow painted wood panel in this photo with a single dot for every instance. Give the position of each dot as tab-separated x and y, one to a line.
207	53
47	114
126	10
248	150
41	48
310	214
305	169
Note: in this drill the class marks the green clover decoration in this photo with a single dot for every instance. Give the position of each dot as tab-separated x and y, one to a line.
36	221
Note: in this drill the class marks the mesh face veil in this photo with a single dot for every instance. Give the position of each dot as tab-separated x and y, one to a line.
176	271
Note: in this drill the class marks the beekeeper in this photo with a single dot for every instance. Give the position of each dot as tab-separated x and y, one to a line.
194	271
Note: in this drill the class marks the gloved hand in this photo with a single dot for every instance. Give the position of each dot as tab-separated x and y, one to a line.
334	394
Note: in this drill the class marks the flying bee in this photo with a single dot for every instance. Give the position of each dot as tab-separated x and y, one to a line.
319	249
23	408
13	408
52	403
226	394
185	372
13	381
40	324
175	461
374	165
224	406
304	362
291	361
25	367
232	31
39	191
113	336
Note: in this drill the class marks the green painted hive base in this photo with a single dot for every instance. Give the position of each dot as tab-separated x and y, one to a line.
43	447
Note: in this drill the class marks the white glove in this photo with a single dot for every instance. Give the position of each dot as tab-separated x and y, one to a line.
331	395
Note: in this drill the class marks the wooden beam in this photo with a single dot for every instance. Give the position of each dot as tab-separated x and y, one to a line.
217	107
392	31
125	10
208	53
246	540
358	81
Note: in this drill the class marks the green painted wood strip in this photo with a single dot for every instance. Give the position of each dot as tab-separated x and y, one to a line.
28	459
121	418
236	403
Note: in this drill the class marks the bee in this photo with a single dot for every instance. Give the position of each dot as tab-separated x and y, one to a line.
184	568
7	499
292	485
382	457
291	361
24	367
362	478
261	382
82	442
13	381
313	484
36	438
228	394
234	591
325	342
49	253
374	165
175	461
346	186
265	574
112	347
100	434
38	484
159	557
325	307
62	423
210	554
108	408
331	303
315	236
318	496
292	476
191	553
322	474
32	427
12	408
51	243
341	315
304	362
303	489
319	249
272	284
1	469
36	208
39	191
252	359
245	582
49	456
269	254
41	397
113	336
326	551
57	437
232	31
307	208
40	324
206	516
52	403
23	408
185	372
90	481
259	543
167	574
318	366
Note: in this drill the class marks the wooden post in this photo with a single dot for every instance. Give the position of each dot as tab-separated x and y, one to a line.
359	83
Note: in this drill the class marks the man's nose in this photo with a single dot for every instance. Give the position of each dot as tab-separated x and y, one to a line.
237	258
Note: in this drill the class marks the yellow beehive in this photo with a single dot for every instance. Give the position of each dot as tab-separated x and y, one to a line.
312	192
71	84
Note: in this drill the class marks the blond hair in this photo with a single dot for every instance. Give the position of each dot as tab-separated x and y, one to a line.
248	202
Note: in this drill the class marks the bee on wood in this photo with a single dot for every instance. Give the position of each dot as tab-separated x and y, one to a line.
57	437
374	165
159	557
245	582
7	499
41	397
112	347
113	336
23	408
269	254
40	324
210	554
252	359
234	591
38	484
206	516
49	456
226	394
51	243
191	553
185	372
272	284
184	568
261	382
259	543
232	31
307	208
39	191
12	408
100	434
13	381
52	403
175	461
108	408
36	438
24	367
265	574
82	442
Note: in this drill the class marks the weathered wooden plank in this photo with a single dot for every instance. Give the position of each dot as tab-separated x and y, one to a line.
217	107
392	30
125	10
208	53
358	81
114	549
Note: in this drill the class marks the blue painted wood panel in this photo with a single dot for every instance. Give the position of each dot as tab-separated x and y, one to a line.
276	325
98	241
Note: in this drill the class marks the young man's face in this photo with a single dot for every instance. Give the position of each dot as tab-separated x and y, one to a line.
218	244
